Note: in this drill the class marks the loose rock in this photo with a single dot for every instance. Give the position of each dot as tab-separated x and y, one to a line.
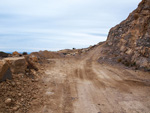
8	101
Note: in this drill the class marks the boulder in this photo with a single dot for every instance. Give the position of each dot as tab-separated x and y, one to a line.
34	58
16	54
31	64
122	48
143	62
110	43
8	101
17	64
5	72
129	51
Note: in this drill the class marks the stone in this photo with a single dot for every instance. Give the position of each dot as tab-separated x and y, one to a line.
129	51
18	83
19	94
34	58
123	48
31	64
17	64
22	99
13	84
110	43
5	72
143	62
15	108
48	93
8	101
33	71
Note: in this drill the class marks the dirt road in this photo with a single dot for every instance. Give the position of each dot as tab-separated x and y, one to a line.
85	86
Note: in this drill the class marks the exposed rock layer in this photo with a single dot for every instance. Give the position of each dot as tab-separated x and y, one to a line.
5	72
129	41
17	64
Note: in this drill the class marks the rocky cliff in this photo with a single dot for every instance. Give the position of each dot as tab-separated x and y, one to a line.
129	41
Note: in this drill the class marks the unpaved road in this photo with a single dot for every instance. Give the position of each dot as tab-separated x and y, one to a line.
86	86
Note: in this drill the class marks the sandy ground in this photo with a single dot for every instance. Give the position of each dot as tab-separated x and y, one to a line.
85	86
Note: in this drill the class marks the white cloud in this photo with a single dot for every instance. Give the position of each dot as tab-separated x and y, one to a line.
58	24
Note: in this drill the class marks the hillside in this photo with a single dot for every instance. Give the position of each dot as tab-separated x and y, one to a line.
129	41
88	80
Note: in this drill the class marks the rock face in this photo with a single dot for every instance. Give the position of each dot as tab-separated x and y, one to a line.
5	72
17	64
130	40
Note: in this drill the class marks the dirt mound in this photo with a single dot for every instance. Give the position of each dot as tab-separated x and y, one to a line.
46	54
17	94
129	42
23	90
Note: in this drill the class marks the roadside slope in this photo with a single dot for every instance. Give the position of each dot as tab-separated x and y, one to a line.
129	41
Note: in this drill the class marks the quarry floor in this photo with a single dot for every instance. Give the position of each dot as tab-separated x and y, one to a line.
83	85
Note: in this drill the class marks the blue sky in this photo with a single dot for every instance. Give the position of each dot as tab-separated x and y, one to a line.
33	25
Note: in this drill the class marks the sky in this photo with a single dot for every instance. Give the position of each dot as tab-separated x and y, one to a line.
33	25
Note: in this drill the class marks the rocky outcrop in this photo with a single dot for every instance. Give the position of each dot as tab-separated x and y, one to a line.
9	66
32	62
130	40
5	72
17	64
